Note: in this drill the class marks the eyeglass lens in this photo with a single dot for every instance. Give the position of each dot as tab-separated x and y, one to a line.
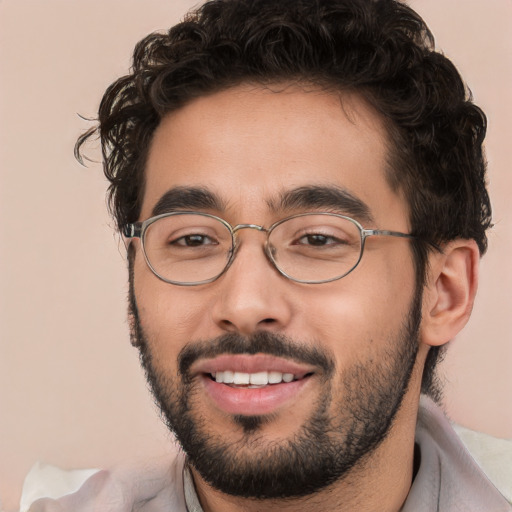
191	248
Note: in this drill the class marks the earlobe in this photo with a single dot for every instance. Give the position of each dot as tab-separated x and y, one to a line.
450	291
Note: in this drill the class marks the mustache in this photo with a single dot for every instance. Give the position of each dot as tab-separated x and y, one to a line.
262	342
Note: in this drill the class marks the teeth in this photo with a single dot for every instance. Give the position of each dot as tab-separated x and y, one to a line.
241	378
260	378
275	377
253	379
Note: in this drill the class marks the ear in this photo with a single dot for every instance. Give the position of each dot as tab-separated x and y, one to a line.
450	291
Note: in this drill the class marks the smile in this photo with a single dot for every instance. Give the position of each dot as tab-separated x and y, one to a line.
253	380
258	384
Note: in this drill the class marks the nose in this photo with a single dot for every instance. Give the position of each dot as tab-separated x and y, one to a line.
252	294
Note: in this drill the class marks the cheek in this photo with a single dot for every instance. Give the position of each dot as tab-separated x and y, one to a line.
364	310
169	315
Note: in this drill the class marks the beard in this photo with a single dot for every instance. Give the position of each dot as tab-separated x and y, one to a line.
326	448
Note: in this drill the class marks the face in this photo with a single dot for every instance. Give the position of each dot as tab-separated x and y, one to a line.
254	156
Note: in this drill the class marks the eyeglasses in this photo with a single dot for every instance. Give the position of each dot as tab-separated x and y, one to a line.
193	248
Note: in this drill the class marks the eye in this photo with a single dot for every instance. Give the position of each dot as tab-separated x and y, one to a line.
193	240
319	240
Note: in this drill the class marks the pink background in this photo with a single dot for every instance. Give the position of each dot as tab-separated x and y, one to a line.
71	391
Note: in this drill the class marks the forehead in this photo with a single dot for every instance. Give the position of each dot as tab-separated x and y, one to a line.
250	146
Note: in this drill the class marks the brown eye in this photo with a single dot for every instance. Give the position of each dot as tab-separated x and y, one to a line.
317	240
195	240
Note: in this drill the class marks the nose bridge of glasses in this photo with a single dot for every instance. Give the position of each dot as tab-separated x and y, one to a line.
267	250
257	227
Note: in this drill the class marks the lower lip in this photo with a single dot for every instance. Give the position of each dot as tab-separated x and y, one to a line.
252	401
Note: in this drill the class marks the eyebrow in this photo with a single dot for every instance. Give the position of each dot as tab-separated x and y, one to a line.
330	198
187	198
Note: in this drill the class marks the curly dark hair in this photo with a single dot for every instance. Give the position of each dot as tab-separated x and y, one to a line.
380	49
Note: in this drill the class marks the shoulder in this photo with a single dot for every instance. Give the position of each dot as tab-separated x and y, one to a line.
448	476
145	486
492	454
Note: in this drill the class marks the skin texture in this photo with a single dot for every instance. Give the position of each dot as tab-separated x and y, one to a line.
248	146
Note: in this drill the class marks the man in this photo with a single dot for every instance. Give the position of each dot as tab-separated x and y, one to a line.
301	188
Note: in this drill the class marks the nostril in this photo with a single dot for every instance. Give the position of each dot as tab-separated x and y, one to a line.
228	325
268	321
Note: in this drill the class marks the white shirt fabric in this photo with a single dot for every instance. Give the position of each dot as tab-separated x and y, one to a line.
448	480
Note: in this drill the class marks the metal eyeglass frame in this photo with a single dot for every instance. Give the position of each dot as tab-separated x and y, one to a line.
138	230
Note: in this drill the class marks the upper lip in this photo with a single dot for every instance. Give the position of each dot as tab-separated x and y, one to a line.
250	364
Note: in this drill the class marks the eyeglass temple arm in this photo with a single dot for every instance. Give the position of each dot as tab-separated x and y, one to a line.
132	230
385	232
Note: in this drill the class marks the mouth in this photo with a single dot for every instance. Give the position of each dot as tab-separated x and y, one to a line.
257	384
257	380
